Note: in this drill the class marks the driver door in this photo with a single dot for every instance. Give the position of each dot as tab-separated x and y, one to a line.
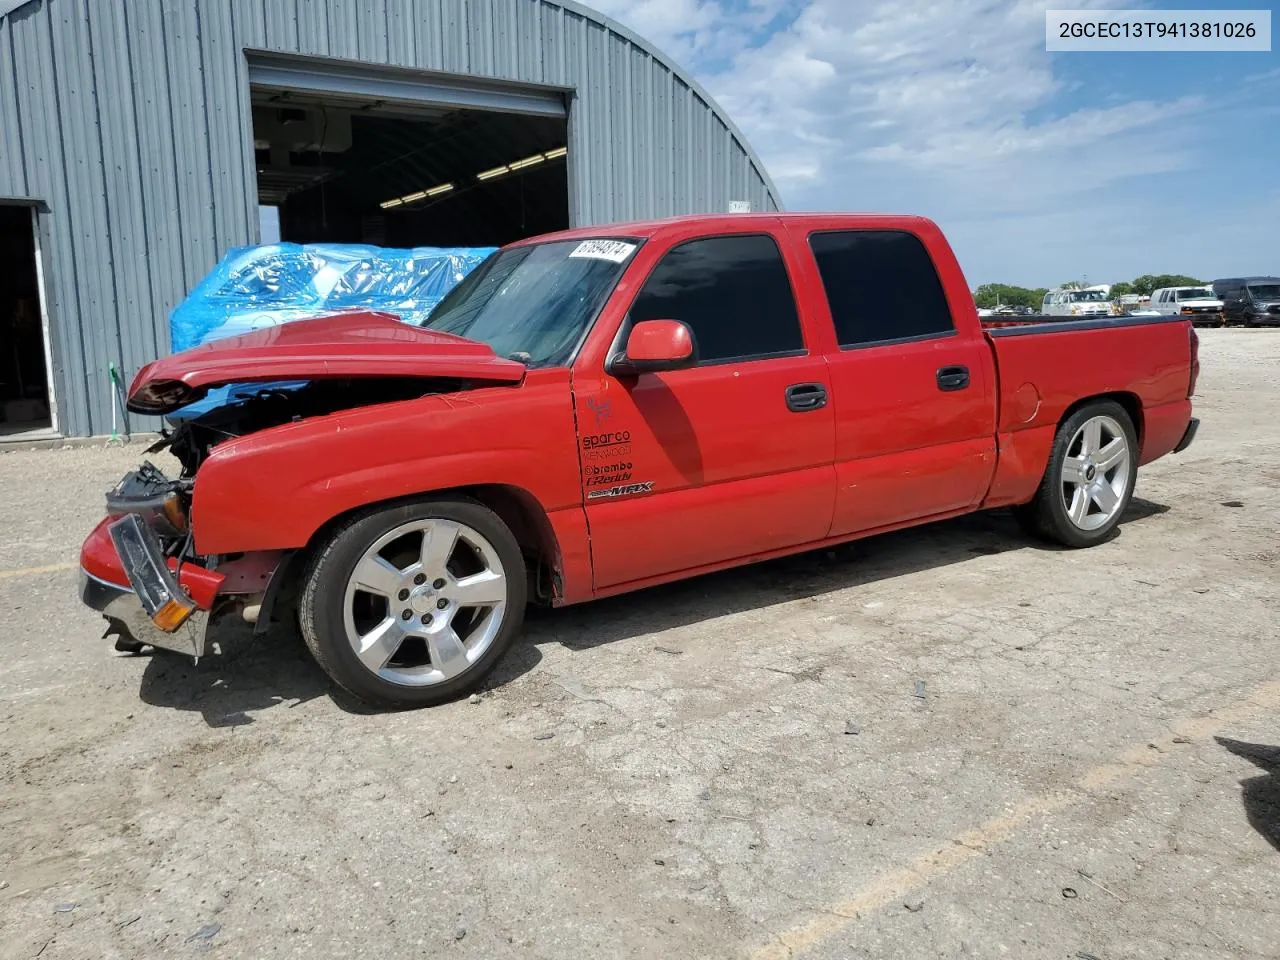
728	459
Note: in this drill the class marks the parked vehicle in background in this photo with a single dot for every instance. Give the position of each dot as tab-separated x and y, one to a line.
1076	303
609	408
1249	301
1197	304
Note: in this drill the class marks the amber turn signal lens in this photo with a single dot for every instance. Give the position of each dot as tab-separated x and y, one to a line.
172	615
173	513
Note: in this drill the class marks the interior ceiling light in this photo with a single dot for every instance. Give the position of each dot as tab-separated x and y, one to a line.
415	197
513	167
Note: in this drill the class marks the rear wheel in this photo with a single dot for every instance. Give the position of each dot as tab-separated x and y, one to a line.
412	605
1090	478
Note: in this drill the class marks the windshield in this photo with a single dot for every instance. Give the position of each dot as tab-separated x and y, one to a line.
1265	291
534	303
1195	293
1087	296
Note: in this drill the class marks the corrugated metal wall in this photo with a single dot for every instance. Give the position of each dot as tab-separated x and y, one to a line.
130	123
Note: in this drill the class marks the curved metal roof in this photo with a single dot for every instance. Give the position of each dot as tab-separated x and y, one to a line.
626	34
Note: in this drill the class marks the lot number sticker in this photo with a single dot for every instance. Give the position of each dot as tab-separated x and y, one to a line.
615	250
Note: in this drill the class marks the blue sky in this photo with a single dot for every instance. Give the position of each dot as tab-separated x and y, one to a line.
1041	167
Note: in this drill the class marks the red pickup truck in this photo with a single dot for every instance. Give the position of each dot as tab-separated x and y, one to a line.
604	409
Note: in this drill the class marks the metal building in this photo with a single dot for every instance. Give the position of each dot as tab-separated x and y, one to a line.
140	140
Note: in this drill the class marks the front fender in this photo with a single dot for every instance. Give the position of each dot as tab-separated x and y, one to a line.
274	489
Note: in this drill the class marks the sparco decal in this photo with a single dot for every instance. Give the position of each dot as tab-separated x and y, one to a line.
625	491
596	440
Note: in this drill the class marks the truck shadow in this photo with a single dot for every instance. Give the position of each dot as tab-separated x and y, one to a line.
811	574
246	674
1260	795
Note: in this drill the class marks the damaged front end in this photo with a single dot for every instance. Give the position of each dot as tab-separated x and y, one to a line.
139	568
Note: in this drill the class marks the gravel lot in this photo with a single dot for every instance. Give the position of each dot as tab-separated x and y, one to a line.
949	742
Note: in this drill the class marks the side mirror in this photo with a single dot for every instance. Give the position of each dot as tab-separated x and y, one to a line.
654	346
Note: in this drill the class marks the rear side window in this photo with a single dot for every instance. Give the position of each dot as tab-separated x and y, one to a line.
734	294
881	285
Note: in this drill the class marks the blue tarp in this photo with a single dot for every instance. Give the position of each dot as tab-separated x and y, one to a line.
256	287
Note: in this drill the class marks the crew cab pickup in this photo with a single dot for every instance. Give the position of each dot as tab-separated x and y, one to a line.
605	409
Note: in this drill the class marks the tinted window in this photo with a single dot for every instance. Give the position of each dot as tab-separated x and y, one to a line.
881	285
731	291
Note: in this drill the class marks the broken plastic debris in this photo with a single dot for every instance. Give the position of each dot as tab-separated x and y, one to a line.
852	728
207	932
543	736
65	907
919	689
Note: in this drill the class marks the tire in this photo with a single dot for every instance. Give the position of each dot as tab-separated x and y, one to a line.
383	606
1071	506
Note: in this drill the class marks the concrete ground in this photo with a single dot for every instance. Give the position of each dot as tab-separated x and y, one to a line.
949	742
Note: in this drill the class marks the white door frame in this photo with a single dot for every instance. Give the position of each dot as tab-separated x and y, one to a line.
43	301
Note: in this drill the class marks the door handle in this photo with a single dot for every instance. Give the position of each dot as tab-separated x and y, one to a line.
803	397
953	378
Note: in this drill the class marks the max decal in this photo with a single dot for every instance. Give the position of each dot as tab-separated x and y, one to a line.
628	490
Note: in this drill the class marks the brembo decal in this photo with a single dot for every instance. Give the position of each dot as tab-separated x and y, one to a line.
602	474
628	490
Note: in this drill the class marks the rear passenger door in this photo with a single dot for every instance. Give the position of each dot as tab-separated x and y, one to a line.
914	398
688	468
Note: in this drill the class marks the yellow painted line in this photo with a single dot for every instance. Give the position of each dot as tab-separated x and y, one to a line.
897	884
32	571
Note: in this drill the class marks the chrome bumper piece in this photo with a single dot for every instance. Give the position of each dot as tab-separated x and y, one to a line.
121	606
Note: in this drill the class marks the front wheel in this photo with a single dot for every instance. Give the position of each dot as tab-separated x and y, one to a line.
1090	478
412	605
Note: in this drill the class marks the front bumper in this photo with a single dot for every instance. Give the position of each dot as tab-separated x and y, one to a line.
123	609
142	593
1189	436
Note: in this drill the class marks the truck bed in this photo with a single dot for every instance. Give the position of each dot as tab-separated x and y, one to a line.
1040	323
1046	364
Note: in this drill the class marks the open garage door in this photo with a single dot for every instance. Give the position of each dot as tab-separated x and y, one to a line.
403	158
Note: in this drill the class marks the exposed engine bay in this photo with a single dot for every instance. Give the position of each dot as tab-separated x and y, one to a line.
165	503
190	439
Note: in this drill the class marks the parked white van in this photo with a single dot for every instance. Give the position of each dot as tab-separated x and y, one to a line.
1076	303
1198	303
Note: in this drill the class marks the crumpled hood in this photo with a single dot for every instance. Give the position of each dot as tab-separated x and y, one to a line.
353	344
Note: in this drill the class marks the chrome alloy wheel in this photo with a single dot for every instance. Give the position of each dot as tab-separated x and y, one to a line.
1095	473
424	602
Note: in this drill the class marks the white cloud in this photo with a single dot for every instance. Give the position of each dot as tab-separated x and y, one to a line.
950	108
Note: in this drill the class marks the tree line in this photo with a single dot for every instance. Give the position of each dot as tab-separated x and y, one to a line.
991	294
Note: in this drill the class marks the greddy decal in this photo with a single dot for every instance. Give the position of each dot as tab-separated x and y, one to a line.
599	475
625	491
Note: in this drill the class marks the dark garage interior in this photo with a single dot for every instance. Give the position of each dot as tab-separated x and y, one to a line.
24	388
344	170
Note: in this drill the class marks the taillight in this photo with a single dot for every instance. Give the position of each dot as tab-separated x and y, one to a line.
1195	361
